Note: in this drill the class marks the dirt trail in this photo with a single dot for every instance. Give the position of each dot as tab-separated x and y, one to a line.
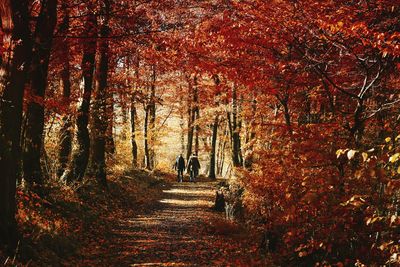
181	230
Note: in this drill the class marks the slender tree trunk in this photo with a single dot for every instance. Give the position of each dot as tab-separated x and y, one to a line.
14	66
110	143
152	118
182	124
248	162
211	173
222	157
65	134
133	135
191	118
196	111
284	102
219	156
33	143
100	120
189	146
234	130
80	157
357	131
134	116
287	116
146	139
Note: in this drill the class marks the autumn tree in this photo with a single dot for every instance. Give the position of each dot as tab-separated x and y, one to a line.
65	134
80	157
15	63
101	115
33	138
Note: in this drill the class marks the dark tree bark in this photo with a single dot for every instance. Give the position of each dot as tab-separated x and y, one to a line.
101	116
134	116
152	121
287	115
133	135
65	134
213	150
80	157
189	146
191	118
149	124
147	161
14	66
221	157
211	173
234	130
196	111
110	143
182	124
251	135
33	139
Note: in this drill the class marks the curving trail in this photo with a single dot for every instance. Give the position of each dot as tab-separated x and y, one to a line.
181	230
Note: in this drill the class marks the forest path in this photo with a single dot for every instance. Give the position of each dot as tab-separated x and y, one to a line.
181	230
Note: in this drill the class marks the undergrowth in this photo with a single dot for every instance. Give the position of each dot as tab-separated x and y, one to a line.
69	221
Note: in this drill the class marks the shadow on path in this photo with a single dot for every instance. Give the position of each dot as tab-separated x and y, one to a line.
176	233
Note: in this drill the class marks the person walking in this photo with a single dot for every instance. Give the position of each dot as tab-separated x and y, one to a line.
180	167
193	167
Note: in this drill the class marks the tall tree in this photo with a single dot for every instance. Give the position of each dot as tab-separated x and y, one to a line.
80	158
65	134
196	112
101	117
33	139
212	170
191	119
149	122
134	113
14	66
234	129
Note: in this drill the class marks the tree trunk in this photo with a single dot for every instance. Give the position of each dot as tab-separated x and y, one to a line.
196	111
191	118
152	118
287	116
100	120
110	143
182	125
284	102
222	155
65	134
33	143
211	173
80	157
133	134
357	131
234	130
14	66
147	160
251	134
135	162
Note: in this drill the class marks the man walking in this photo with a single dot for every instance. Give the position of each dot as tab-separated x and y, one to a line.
193	167
180	167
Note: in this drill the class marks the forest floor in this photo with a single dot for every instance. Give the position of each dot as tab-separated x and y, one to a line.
142	219
179	229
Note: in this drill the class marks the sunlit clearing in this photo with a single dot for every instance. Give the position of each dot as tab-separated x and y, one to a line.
186	203
160	264
184	191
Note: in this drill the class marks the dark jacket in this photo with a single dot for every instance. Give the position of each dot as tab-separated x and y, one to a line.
193	163
179	163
